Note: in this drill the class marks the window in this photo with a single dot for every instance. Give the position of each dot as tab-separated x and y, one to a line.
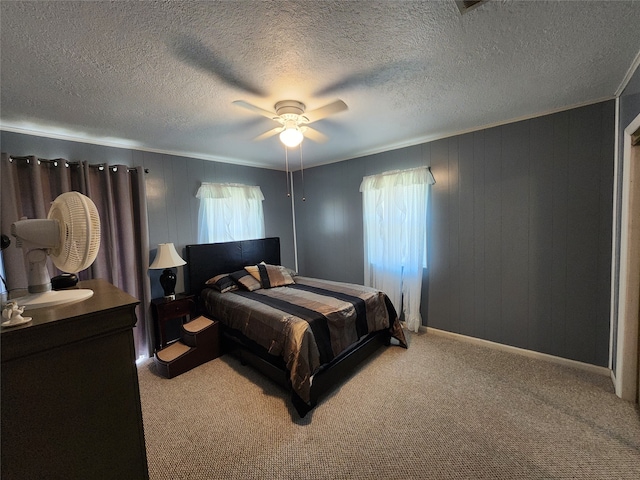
229	212
395	230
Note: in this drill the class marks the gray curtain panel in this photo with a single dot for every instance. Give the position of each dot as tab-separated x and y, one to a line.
29	185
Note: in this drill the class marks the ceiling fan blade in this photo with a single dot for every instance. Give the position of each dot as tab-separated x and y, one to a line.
258	110
323	112
377	76
313	134
269	133
193	51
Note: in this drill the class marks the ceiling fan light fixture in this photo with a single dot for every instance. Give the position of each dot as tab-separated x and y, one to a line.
294	120
291	137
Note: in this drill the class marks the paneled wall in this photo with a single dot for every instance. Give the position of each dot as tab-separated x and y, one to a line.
519	242
172	183
329	222
519	223
523	255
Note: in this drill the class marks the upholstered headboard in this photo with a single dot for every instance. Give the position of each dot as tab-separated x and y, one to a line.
210	259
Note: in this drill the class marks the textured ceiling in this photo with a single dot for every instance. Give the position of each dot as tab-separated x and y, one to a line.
162	76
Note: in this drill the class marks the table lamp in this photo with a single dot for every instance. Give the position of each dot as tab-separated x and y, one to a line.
167	258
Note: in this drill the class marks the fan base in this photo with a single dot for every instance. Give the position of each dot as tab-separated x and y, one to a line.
52	298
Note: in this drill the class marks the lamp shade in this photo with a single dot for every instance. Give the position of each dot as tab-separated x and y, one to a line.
167	257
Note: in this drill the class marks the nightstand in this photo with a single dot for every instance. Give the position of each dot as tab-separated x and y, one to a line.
163	311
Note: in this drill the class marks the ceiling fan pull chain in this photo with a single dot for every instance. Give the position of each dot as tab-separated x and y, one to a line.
286	163
302	173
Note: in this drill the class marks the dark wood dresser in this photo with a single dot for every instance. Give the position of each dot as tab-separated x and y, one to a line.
69	391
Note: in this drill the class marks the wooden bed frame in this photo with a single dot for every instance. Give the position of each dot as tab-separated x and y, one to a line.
204	261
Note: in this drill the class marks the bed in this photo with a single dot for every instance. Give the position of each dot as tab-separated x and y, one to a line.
306	334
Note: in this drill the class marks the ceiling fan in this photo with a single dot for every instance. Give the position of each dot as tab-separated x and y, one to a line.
294	121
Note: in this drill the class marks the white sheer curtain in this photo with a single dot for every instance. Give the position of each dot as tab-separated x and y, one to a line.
395	229
229	212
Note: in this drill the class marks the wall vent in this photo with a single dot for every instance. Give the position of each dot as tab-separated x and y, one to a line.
466	5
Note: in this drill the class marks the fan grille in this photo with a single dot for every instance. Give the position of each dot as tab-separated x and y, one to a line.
79	224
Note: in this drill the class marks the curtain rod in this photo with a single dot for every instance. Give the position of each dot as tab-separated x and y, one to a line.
392	172
68	163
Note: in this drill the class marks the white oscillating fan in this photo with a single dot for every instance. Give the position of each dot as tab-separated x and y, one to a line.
70	235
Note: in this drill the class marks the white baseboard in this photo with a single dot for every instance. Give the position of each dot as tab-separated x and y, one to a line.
521	351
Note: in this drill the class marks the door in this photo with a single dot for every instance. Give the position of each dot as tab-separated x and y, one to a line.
627	375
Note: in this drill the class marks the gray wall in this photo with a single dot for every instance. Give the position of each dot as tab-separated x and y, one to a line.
329	221
519	240
171	184
519	231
